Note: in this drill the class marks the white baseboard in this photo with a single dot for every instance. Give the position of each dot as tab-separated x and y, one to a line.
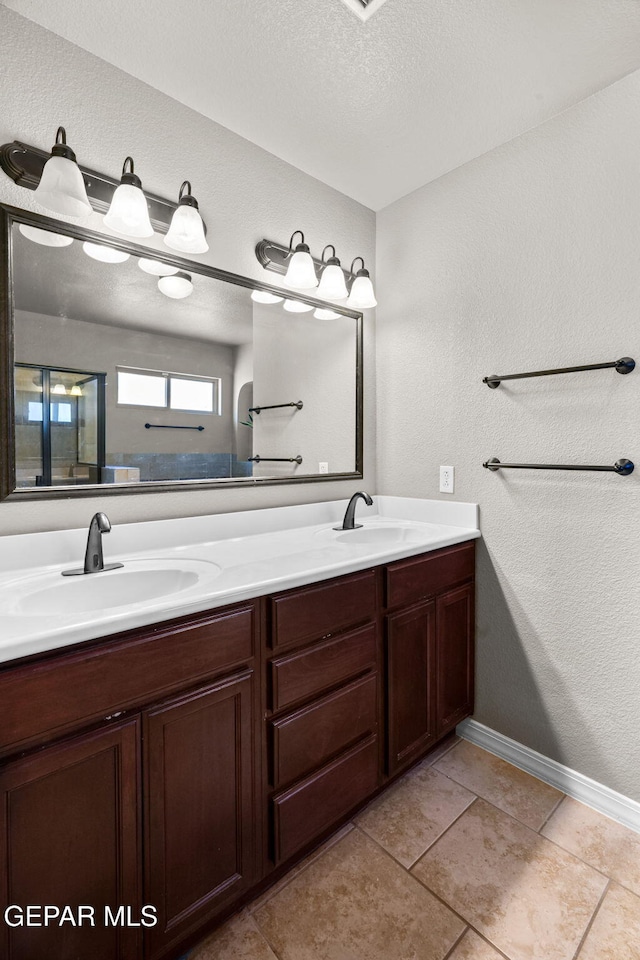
574	784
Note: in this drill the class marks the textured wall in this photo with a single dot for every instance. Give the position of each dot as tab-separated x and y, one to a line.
245	194
524	259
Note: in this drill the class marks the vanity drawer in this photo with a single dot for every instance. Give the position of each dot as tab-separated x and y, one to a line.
425	576
307	738
302	813
316	611
298	676
42	701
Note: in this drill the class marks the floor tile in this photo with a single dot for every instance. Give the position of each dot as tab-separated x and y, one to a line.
522	796
615	934
605	844
239	939
411	815
526	895
355	902
473	947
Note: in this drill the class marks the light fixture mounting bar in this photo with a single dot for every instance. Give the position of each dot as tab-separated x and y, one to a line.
273	256
24	165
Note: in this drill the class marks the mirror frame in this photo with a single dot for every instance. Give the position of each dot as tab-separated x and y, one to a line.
8	492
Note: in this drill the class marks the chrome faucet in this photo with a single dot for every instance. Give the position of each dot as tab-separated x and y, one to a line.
348	522
93	559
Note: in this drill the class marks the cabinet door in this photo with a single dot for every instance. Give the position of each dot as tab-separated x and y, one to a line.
455	649
69	836
410	636
199	791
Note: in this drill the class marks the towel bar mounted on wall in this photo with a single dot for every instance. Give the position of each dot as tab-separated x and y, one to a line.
258	459
622	467
169	426
298	404
624	365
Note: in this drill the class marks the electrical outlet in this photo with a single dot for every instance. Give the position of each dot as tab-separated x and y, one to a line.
323	467
446	479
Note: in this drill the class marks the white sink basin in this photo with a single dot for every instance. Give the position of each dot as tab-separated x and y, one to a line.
374	533
137	582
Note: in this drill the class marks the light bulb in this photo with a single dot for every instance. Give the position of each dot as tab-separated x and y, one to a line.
129	213
332	282
301	272
61	186
296	306
321	314
261	296
104	254
186	232
44	237
176	287
156	268
362	295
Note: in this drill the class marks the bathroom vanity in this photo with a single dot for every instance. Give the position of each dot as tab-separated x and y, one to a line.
194	760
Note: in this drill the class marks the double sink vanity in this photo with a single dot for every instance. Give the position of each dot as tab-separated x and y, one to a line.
179	731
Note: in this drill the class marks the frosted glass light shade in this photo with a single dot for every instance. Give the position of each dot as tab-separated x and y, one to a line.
104	254
362	295
321	314
44	237
76	390
295	306
156	268
128	213
62	188
186	232
332	283
301	273
262	296
59	389
176	287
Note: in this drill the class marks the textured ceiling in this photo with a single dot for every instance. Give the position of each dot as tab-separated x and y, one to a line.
375	108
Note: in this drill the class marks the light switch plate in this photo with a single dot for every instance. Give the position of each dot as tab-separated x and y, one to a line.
446	479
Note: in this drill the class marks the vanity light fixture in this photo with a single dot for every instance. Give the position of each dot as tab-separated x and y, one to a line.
332	282
186	232
296	306
76	390
322	314
128	213
177	287
59	389
61	186
45	238
362	296
301	272
104	254
262	296
156	268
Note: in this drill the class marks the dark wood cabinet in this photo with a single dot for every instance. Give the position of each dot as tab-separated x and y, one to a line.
411	706
69	836
199	807
179	765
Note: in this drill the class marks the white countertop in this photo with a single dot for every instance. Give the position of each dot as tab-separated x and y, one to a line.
248	554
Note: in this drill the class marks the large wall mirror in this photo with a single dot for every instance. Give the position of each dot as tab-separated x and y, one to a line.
129	370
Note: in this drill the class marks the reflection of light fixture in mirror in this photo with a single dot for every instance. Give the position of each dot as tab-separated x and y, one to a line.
59	389
128	213
186	232
76	390
296	306
321	314
45	237
301	273
61	186
362	295
177	287
332	282
156	268
105	254
262	296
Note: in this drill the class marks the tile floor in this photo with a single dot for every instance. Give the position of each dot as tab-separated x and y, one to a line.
465	858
